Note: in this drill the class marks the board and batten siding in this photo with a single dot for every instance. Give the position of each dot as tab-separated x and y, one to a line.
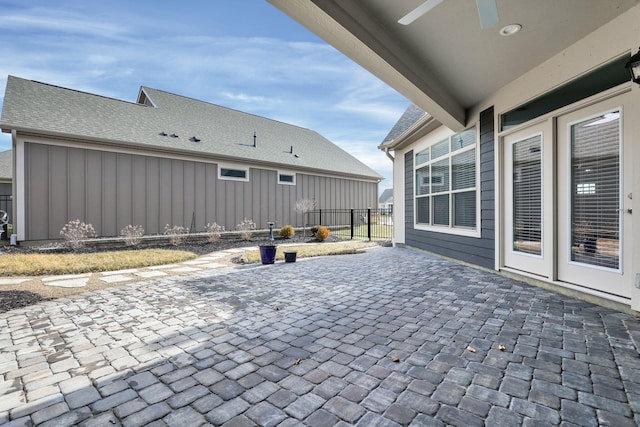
111	190
479	251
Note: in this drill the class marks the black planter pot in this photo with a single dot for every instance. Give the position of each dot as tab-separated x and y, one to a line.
268	254
290	256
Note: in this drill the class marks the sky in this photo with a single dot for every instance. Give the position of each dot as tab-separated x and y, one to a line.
241	54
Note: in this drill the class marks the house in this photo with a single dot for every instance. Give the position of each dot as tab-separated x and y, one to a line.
526	158
385	201
164	160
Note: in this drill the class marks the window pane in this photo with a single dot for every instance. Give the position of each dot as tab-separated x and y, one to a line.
464	209
463	139
463	172
233	173
440	176
286	178
527	196
422	210
422	157
422	181
440	149
595	199
441	210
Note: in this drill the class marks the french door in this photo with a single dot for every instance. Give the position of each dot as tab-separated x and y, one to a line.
567	198
528	199
594	210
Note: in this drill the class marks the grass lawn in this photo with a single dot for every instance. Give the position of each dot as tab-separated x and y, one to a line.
54	264
378	232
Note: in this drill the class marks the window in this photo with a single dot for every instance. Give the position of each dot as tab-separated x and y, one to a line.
445	184
233	173
287	178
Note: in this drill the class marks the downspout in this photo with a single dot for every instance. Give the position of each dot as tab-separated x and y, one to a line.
386	151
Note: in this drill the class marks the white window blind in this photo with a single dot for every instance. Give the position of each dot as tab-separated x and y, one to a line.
527	195
440	149
464	170
595	192
422	157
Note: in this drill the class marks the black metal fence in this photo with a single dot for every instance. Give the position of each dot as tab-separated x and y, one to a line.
369	224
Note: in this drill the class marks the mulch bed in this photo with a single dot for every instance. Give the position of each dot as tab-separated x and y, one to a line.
10	300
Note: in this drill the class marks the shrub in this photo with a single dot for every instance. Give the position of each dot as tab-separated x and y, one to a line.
314	230
287	232
322	233
214	231
246	228
304	206
76	232
132	234
177	234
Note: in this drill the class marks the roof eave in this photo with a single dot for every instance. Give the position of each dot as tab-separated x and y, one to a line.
176	151
422	127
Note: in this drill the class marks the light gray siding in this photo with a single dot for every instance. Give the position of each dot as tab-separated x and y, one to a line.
112	190
480	251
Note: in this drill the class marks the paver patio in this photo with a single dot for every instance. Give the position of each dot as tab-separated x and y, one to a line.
390	337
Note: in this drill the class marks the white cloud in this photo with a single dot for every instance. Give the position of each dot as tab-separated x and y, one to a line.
308	84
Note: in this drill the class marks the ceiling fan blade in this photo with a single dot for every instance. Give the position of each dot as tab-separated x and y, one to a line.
488	11
418	11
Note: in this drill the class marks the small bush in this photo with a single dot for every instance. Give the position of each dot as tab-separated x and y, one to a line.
214	231
177	234
76	232
132	235
246	228
287	232
322	233
314	230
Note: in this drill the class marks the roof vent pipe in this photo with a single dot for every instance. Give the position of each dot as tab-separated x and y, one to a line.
254	139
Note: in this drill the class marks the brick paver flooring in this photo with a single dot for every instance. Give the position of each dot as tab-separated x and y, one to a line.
390	337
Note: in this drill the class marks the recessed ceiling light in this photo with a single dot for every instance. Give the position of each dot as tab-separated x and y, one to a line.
510	30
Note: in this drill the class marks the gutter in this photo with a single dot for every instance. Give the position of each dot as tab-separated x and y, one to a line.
388	154
167	152
422	127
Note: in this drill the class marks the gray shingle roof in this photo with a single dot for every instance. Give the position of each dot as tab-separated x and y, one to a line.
386	196
410	116
223	133
6	165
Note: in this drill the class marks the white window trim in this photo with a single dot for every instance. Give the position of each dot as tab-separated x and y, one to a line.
450	229
234	167
290	173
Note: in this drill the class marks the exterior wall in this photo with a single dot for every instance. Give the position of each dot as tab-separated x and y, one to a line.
111	190
618	37
480	251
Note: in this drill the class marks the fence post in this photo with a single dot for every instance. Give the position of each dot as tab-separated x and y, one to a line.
369	223
351	224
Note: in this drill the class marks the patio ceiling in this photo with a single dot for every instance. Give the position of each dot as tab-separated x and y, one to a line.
444	61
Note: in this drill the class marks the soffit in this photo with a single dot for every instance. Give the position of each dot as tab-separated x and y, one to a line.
446	55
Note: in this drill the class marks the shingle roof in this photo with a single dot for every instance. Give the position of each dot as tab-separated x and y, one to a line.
6	165
386	196
410	116
223	133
